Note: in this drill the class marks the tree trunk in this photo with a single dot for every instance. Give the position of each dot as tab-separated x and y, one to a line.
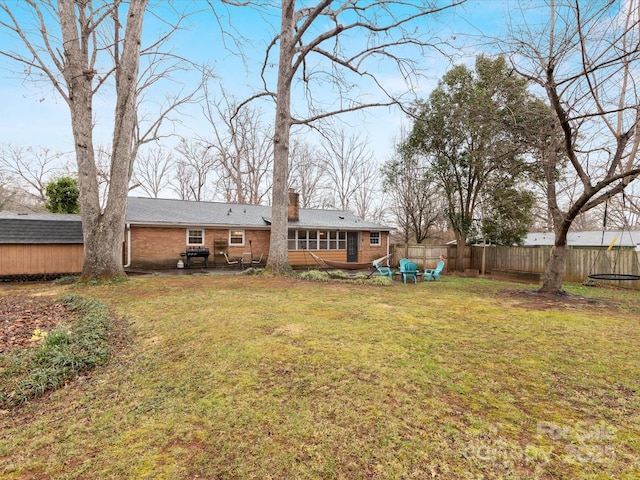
103	231
108	261
80	99
461	244
556	265
278	261
554	271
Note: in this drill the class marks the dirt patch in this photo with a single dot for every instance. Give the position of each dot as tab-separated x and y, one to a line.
532	300
21	316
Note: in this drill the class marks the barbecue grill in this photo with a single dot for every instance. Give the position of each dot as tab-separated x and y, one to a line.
196	253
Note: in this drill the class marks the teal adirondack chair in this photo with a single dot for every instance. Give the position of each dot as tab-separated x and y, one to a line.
408	269
433	273
383	271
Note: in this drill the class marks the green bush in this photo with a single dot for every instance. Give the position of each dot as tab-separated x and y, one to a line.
315	276
340	275
61	357
55	339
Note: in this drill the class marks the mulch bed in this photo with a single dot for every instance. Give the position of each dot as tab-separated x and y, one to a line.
21	315
534	300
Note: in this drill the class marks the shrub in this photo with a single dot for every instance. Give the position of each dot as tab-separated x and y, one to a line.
380	281
315	276
62	355
339	274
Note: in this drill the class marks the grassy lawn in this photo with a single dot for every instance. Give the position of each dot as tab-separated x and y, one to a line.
250	377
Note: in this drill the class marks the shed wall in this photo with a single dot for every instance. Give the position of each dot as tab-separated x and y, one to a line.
40	259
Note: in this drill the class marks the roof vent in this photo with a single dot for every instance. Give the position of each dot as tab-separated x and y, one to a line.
341	217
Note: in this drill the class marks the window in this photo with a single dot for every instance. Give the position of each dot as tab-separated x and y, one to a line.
291	242
236	237
313	240
302	240
333	240
195	237
316	240
374	238
342	240
323	243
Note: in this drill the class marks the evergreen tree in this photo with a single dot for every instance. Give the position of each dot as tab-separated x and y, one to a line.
63	195
473	133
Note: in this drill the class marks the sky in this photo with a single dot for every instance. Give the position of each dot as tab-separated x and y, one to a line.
33	114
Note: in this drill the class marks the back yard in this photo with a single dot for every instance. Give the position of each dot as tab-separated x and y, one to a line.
249	377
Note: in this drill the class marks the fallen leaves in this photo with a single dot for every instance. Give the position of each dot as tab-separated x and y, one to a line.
21	315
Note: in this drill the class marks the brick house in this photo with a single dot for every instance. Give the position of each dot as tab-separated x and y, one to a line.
159	230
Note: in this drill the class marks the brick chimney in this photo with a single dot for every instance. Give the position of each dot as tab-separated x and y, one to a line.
294	206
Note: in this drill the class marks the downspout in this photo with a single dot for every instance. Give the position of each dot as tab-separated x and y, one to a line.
388	247
128	264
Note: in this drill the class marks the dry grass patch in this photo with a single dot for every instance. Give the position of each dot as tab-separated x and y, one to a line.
247	377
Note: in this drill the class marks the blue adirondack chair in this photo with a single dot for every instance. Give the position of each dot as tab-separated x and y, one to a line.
408	269
383	271
433	273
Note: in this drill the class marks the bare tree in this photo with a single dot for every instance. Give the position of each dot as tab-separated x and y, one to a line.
632	206
259	164
368	198
157	67
341	44
306	173
243	149
82	48
152	171
193	170
7	194
30	169
585	57
349	166
415	201
182	182
353	179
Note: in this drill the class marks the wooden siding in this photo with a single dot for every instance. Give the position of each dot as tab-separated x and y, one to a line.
40	259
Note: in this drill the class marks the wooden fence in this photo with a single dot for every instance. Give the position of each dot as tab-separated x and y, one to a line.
581	262
426	256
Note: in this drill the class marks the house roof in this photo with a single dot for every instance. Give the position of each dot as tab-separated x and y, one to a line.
596	238
167	212
29	228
